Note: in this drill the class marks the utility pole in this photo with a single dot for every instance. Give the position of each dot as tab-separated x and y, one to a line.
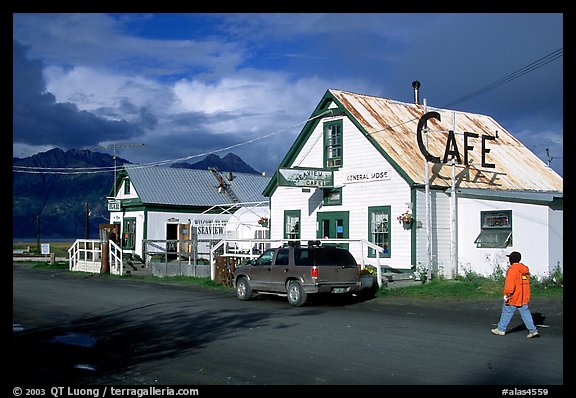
87	213
453	212
114	146
428	204
37	234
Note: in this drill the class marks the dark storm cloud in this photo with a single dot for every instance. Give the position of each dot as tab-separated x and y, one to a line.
39	120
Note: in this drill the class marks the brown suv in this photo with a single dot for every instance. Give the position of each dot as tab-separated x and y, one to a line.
297	271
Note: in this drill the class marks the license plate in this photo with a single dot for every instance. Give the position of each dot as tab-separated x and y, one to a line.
340	290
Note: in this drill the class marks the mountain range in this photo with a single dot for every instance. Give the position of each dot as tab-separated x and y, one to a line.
54	204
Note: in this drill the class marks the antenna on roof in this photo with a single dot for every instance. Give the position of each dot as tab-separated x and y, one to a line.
113	146
549	157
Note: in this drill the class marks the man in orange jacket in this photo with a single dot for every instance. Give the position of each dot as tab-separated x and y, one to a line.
516	297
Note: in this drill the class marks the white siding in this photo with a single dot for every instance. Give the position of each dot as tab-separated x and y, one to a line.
358	155
555	239
535	234
440	230
121	195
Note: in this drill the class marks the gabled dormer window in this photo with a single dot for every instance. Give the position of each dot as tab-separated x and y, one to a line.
333	144
126	186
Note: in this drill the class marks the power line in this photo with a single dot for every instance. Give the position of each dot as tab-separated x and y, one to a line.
95	170
514	75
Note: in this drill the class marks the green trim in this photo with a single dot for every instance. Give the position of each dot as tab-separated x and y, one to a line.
305	133
131	236
271	186
122	173
333	216
292	213
325	126
127	188
130	203
376	145
326	192
137	205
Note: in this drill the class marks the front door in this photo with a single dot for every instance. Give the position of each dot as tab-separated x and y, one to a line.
171	240
333	225
129	234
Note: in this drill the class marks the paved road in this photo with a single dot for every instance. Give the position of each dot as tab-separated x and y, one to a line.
78	329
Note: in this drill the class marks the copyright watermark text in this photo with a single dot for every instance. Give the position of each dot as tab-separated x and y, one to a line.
101	392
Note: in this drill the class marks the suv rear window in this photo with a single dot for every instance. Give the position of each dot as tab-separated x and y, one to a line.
334	257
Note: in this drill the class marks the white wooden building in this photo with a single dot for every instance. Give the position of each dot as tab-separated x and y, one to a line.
358	165
161	203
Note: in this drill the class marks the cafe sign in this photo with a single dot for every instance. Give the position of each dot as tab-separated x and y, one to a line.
319	178
452	150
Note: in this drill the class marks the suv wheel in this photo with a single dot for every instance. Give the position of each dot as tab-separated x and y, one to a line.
296	294
243	289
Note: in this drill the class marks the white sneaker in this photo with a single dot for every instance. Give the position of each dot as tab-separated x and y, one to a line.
533	334
498	332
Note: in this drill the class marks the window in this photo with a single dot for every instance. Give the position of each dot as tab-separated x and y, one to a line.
332	196
292	224
333	144
496	229
126	186
302	257
379	229
334	256
266	258
282	257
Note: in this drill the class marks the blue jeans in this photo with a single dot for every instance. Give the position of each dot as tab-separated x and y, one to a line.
508	312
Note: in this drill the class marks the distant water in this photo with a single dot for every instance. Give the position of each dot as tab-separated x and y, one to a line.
48	240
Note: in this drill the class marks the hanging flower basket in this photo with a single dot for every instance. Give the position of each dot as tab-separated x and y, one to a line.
406	219
263	221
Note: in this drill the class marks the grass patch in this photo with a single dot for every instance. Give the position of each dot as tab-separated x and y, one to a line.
465	289
60	249
471	288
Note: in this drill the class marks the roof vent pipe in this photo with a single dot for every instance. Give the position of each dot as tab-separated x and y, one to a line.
416	86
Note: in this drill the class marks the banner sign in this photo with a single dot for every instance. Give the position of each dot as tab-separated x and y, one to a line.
306	178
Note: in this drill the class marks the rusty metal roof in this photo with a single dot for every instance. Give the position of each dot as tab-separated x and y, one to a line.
393	126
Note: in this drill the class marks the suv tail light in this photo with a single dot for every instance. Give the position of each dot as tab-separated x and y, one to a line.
314	272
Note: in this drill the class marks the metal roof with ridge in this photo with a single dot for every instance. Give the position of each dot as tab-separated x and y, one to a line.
391	126
192	187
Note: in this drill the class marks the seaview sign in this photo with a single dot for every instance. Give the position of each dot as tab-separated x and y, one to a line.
306	178
451	146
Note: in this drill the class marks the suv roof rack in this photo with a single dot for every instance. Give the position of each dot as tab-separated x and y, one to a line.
314	243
